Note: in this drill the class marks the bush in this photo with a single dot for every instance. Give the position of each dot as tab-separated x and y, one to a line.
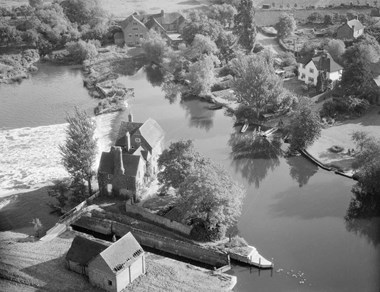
81	50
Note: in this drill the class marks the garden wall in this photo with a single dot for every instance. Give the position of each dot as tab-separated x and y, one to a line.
141	213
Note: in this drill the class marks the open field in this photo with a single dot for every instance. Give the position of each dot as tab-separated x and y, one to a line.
40	266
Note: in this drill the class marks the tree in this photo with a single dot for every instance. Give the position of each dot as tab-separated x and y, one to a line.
223	13
321	82
244	25
79	151
83	11
154	47
198	23
202	45
201	75
304	127
336	48
256	84
177	163
314	17
286	25
327	19
226	43
210	198
36	3
81	50
38	227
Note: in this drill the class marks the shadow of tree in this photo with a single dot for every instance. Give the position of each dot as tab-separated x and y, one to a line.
253	156
199	115
154	75
301	170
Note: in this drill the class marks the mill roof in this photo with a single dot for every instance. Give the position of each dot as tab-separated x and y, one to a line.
128	20
130	162
168	18
122	253
151	22
82	250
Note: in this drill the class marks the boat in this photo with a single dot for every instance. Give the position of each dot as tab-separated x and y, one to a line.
244	128
269	132
215	107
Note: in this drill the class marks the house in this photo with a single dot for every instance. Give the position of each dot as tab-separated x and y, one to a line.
133	159
171	22
350	30
112	267
133	31
309	68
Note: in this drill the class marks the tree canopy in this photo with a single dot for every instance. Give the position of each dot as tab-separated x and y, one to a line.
256	85
244	25
83	11
154	47
201	75
304	128
81	50
286	25
79	151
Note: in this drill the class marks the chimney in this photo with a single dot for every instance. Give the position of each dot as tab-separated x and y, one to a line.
127	141
130	117
162	12
118	161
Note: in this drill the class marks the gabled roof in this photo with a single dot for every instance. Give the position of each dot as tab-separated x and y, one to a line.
324	61
152	132
355	23
168	18
152	22
131	163
122	253
128	20
125	127
83	250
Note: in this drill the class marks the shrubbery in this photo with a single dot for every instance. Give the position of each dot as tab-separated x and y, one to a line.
344	105
81	50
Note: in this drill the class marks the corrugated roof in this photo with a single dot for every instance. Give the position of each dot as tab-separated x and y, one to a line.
122	253
356	24
83	250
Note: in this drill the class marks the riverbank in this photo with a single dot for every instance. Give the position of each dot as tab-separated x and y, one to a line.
32	159
24	269
15	67
340	135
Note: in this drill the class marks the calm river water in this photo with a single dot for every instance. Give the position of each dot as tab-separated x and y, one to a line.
293	212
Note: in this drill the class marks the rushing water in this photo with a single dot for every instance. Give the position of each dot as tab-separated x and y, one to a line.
293	212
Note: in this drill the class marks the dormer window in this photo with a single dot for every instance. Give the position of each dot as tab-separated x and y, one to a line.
138	140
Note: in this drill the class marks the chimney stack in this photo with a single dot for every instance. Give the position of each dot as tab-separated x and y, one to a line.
118	161
162	12
128	141
130	118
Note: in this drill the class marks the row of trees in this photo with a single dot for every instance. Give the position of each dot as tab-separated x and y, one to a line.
50	26
207	196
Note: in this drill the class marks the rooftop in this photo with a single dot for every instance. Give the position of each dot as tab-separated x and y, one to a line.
83	250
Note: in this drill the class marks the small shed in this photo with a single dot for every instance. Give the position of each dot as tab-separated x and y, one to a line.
81	252
118	265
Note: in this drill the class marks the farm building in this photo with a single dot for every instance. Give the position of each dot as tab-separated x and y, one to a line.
350	30
112	267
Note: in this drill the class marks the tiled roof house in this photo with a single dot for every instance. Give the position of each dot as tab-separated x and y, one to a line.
123	170
111	267
309	68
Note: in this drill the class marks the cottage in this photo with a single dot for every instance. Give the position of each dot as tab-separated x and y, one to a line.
125	169
133	31
309	68
111	267
350	30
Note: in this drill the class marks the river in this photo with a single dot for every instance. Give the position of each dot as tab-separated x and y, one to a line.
293	212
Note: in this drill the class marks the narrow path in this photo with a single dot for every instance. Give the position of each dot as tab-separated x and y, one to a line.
269	42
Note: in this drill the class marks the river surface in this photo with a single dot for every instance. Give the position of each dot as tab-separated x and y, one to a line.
293	212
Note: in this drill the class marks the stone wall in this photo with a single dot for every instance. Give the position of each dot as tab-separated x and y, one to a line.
143	214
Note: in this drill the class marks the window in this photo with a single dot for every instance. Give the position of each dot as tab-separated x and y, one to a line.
303	76
311	70
110	282
311	79
130	35
138	140
108	176
141	36
135	28
136	35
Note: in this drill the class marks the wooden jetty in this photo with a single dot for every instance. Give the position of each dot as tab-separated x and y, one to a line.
250	256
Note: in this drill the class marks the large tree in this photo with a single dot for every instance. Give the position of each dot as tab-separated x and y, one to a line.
256	85
211	198
79	151
304	128
336	49
154	47
286	25
84	11
244	25
201	75
223	13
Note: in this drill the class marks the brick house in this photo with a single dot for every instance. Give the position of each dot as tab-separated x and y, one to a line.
125	169
309	68
112	267
133	30
350	30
